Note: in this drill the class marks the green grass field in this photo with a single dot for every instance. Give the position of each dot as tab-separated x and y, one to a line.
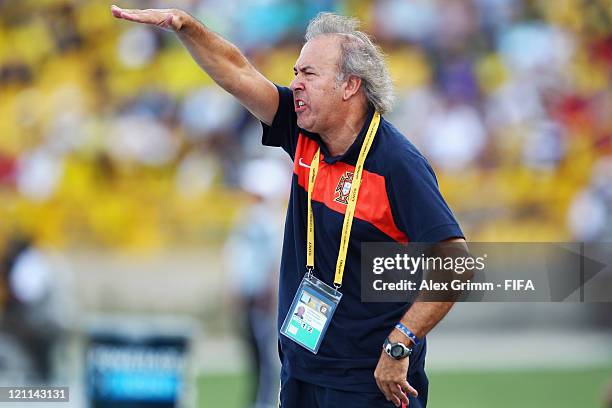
580	388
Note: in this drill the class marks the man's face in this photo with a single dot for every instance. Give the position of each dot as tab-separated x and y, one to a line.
316	92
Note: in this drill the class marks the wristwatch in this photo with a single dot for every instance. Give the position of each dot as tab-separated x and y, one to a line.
397	351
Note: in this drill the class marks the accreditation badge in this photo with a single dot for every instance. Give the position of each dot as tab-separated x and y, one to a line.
310	313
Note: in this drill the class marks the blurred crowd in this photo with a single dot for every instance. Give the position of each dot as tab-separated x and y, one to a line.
110	135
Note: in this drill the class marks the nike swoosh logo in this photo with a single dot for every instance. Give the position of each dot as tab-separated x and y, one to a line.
301	163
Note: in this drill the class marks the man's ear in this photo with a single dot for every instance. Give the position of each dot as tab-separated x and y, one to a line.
351	87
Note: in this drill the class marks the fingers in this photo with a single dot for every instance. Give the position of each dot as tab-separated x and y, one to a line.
397	393
409	389
116	11
394	393
388	391
139	16
122	13
399	396
390	376
385	390
401	391
163	18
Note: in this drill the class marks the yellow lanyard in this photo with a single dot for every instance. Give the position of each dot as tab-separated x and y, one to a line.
350	207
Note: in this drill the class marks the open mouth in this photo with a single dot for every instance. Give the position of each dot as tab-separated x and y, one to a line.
300	105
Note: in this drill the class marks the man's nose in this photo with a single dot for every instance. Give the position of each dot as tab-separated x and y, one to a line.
296	84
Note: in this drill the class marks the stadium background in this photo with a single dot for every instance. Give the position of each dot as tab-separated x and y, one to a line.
122	161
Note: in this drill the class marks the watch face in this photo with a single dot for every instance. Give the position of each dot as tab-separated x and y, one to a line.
397	351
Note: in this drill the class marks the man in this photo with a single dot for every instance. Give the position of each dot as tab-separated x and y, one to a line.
256	238
329	122
300	312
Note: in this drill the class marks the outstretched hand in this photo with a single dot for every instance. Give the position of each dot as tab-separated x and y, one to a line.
168	19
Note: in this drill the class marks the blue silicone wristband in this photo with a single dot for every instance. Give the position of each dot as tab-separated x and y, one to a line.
408	333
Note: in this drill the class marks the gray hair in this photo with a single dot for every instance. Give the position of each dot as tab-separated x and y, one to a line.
359	56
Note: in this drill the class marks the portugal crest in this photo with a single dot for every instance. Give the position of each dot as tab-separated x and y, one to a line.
344	188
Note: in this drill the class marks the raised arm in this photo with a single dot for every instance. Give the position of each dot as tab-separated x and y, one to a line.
222	60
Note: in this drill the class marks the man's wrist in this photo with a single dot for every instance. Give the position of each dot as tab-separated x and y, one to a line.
184	21
398	337
408	336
